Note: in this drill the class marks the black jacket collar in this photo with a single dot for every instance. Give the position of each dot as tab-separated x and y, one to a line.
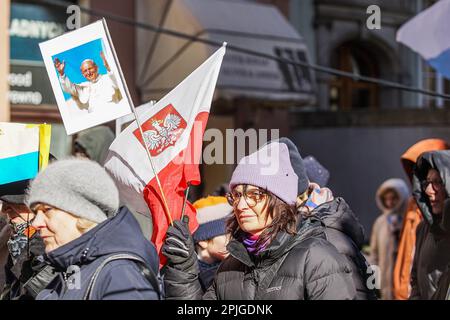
279	246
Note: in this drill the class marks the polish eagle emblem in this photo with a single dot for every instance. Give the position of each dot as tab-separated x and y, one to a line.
165	133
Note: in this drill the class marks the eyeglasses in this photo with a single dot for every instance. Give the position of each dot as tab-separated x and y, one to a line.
437	184
251	197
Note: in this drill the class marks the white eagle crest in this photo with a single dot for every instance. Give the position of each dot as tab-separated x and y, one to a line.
164	135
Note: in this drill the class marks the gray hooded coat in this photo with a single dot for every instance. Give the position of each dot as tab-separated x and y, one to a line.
386	234
96	142
432	256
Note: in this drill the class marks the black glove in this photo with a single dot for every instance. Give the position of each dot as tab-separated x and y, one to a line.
179	247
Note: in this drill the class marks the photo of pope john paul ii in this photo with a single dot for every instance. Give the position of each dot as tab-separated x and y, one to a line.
87	81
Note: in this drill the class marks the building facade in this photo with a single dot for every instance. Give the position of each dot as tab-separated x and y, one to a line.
360	130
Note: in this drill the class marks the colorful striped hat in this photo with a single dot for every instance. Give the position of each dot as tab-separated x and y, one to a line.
212	214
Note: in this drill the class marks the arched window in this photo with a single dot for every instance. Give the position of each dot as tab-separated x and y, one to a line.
346	94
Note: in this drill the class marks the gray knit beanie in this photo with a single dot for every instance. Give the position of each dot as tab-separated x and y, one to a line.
316	171
77	186
297	164
268	168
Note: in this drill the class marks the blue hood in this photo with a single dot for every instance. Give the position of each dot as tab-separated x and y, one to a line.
120	234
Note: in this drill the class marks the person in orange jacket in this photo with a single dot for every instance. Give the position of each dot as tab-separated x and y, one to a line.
413	216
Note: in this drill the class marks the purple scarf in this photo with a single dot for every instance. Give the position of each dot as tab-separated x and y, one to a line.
250	243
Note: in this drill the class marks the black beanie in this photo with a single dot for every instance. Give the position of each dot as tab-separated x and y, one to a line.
297	164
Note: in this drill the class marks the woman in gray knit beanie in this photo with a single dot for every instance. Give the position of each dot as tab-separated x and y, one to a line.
82	193
273	255
98	248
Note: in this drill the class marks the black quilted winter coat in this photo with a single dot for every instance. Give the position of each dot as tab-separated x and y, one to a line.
304	266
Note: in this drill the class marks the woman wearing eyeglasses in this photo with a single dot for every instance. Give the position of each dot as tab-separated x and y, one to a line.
431	185
273	255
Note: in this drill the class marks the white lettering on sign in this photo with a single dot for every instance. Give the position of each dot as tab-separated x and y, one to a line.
25	97
20	79
35	29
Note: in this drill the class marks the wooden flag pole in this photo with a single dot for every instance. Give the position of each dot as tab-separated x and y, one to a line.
166	207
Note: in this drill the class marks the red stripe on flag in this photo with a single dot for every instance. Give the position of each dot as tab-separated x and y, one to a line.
175	177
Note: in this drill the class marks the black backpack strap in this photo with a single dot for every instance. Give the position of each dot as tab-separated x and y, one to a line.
148	273
152	278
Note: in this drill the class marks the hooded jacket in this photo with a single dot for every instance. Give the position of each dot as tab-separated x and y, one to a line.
96	142
342	229
119	279
432	256
386	233
412	218
307	267
443	290
345	232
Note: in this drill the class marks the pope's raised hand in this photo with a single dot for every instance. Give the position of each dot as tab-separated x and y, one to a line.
60	66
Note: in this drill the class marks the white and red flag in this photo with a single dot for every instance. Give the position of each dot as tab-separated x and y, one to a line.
173	131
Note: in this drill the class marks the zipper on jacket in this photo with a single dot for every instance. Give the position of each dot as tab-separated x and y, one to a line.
66	287
84	255
255	277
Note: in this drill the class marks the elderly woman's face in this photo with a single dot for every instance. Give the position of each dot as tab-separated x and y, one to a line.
435	190
56	227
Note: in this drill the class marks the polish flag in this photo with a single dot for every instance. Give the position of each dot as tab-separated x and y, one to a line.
427	34
173	131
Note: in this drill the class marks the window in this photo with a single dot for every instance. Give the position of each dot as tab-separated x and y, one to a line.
346	94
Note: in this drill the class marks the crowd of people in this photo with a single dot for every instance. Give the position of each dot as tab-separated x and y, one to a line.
409	239
65	235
